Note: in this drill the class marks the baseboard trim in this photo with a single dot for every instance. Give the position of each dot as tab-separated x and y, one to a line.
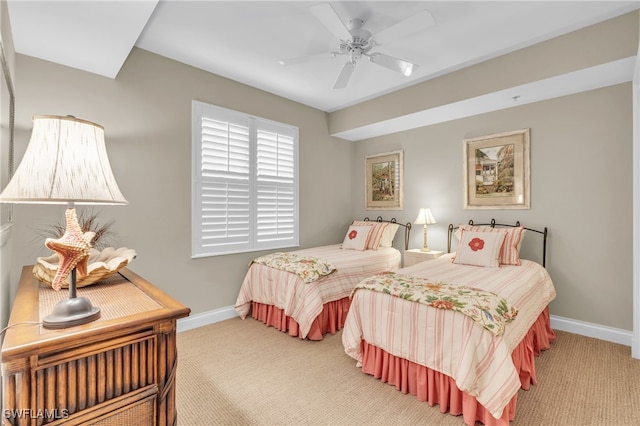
602	332
206	318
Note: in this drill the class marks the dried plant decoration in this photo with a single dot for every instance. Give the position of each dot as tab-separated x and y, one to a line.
89	222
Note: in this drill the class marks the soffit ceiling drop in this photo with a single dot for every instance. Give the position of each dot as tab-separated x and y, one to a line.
246	40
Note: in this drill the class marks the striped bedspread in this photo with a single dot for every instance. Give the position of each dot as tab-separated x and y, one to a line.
303	301
447	341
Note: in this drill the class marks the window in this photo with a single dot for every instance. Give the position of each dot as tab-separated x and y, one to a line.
245	182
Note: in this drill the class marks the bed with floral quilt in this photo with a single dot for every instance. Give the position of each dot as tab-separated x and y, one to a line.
460	331
305	293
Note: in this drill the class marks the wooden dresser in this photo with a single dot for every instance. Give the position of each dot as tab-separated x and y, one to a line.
117	370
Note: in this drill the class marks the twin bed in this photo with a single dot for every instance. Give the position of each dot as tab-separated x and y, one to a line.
460	331
310	308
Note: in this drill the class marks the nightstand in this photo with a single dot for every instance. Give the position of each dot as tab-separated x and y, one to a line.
411	257
117	370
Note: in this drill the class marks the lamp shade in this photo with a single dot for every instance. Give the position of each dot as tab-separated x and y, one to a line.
425	217
65	162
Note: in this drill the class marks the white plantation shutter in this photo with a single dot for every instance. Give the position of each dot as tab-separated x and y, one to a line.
225	169
275	185
244	184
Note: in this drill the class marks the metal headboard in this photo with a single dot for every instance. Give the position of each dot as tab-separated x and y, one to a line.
407	228
493	224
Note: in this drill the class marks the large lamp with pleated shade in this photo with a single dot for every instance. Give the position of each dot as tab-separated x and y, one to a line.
66	162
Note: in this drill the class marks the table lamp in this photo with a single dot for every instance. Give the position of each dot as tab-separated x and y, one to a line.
425	218
66	162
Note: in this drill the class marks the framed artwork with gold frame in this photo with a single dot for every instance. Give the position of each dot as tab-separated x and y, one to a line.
384	181
497	171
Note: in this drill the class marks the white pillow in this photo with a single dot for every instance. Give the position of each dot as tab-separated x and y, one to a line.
479	248
356	238
388	235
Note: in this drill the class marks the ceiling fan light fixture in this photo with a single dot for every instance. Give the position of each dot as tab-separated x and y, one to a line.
408	69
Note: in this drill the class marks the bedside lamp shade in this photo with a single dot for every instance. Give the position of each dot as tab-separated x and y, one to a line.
425	218
66	163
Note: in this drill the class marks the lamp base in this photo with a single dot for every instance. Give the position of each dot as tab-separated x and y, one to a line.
425	249
71	312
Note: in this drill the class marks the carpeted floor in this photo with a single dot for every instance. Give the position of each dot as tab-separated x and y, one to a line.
239	372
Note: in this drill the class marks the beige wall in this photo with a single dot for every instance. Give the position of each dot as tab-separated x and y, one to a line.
146	112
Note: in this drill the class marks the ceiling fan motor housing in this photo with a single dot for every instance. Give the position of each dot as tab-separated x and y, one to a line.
361	41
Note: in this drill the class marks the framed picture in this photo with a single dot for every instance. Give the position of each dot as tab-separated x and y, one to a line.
496	171
384	180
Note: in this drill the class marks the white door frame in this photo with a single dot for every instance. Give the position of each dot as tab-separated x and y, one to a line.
635	344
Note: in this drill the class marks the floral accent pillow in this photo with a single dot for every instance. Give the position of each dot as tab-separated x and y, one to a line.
479	248
376	233
356	238
510	251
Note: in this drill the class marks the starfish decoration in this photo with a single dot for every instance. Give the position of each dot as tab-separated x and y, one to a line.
72	248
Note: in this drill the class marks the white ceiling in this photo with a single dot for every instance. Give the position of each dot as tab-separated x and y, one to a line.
244	40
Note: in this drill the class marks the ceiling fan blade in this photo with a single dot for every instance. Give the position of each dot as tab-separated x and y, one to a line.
331	20
304	59
410	25
345	75
394	64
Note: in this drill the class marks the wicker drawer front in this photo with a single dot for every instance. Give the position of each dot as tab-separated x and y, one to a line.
101	375
139	414
67	385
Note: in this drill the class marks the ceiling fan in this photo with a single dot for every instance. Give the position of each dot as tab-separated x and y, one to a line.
356	42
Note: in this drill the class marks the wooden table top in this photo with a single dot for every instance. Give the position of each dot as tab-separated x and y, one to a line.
125	300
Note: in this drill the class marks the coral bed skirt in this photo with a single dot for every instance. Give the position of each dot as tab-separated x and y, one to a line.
437	388
330	320
426	384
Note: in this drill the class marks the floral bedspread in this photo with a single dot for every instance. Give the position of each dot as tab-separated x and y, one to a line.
308	268
485	308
